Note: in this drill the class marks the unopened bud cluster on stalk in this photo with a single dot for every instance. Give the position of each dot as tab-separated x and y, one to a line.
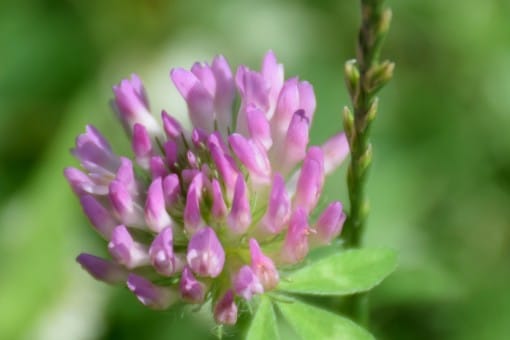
210	212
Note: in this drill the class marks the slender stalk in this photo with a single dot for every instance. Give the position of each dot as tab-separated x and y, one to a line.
364	76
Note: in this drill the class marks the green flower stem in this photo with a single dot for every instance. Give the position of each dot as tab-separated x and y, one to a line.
364	76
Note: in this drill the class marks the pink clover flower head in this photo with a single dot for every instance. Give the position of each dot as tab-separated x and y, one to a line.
214	211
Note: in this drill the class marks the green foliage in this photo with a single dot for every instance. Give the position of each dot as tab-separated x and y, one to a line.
314	323
264	325
343	273
439	186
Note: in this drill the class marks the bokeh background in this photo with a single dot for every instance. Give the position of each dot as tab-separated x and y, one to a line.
440	185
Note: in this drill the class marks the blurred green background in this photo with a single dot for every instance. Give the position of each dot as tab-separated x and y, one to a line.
440	185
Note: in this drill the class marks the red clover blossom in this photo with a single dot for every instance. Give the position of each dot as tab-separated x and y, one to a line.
213	211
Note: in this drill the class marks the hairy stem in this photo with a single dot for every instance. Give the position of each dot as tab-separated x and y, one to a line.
364	76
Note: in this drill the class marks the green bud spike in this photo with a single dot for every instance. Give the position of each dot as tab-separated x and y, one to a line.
348	119
352	78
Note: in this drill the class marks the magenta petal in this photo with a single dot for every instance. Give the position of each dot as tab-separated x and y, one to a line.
330	223
225	92
101	269
83	184
253	157
225	310
126	175
158	167
253	88
124	204
199	100
191	289
219	208
156	215
288	103
162	254
278	210
94	152
150	295
295	245
226	167
239	219
172	127
205	256
171	190
311	180
192	215
204	73
263	267
132	105
307	99
127	251
142	145
246	283
273	74
100	218
296	140
258	126
335	150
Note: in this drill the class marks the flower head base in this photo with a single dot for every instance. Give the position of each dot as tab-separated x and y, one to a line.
220	207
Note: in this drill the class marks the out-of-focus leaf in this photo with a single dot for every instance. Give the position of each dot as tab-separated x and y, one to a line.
343	273
313	323
264	326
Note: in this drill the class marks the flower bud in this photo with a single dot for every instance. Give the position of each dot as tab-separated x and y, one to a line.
199	137
124	205
330	223
101	269
156	215
295	245
296	140
171	152
239	219
98	216
150	295
263	267
192	215
225	92
278	209
246	283
83	184
225	310
253	157
191	289
311	180
126	176
171	190
348	120
352	78
258	126
127	251
94	152
162	254
225	165
199	100
335	151
142	145
173	129
205	256
132	105
273	75
253	89
158	167
219	208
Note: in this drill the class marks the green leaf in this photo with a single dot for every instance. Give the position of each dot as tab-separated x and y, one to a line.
314	323
344	273
263	325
